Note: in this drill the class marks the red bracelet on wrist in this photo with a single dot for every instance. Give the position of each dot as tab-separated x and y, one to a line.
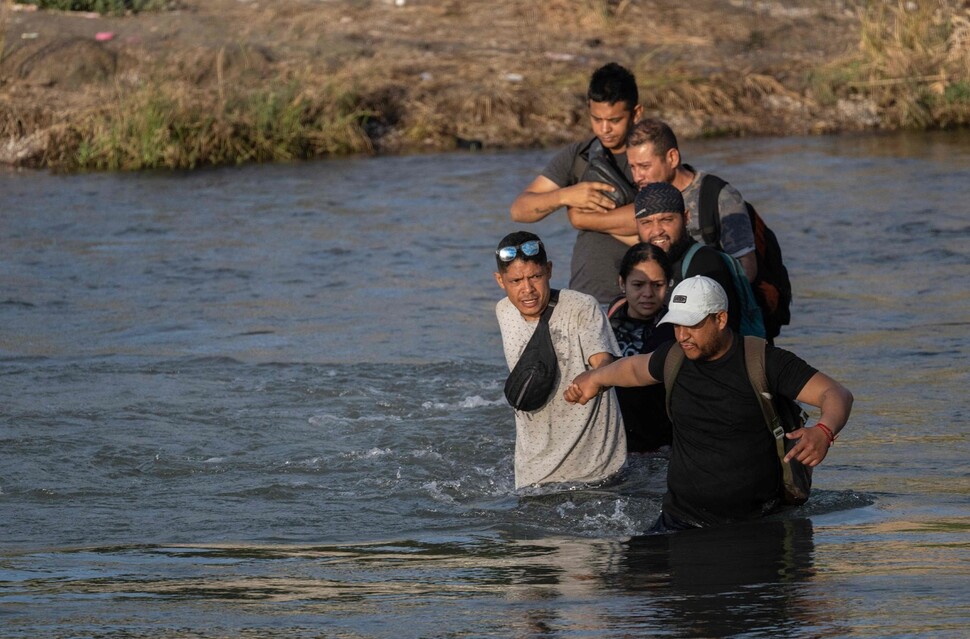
828	432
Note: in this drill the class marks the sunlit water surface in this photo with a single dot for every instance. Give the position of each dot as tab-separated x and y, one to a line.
267	401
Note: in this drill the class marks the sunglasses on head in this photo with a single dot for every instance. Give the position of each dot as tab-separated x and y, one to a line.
529	249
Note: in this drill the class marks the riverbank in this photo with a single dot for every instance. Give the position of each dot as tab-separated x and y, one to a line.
234	81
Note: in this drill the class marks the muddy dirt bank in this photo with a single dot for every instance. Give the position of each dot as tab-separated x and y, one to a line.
432	74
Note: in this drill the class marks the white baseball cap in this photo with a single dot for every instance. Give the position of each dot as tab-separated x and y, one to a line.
694	299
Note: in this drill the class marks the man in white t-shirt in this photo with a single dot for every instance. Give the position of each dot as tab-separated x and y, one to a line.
558	442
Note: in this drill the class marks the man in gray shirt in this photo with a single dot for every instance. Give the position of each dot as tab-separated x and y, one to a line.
613	108
654	157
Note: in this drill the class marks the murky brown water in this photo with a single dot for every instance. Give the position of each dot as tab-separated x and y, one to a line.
267	402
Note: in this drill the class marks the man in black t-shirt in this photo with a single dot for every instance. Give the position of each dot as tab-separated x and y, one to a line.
723	463
662	221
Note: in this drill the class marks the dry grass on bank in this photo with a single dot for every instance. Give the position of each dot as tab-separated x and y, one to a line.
913	64
154	127
299	84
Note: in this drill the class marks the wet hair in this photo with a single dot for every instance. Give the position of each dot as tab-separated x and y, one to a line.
612	83
645	252
655	132
515	239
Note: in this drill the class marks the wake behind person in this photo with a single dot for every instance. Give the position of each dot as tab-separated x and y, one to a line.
555	441
613	102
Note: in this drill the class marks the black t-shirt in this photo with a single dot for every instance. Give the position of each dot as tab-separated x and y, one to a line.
643	408
724	463
709	262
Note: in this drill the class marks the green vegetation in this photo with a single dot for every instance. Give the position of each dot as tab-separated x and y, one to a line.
913	63
115	7
152	129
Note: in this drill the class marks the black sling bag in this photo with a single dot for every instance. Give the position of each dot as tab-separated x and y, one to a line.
533	380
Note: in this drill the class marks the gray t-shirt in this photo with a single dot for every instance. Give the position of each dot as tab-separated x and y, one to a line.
596	256
563	442
737	237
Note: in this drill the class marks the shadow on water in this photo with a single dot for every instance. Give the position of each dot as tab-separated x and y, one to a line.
743	578
721	582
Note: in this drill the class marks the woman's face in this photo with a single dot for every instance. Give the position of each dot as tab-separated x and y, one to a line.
645	289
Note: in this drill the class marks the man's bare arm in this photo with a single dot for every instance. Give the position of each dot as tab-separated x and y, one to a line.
543	197
620	221
835	403
749	261
626	371
600	360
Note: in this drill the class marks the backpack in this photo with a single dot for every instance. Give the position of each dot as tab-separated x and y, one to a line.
772	288
533	379
782	415
601	166
752	319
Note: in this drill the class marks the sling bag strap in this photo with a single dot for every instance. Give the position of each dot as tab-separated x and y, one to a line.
532	380
551	306
542	328
754	362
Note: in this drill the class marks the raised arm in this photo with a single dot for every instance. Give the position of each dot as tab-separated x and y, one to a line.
543	196
626	371
835	402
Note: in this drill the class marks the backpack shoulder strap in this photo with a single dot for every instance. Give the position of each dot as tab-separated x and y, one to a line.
617	304
675	357
754	361
688	256
709	217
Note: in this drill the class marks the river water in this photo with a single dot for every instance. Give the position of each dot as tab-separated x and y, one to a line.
266	401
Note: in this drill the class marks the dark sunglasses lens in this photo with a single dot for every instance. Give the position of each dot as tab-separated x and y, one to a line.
507	254
531	248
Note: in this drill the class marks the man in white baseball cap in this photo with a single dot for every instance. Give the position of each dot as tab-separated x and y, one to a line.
724	463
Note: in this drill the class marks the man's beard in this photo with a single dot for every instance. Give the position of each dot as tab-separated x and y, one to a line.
678	248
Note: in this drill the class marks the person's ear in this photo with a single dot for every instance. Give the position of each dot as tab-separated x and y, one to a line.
722	320
673	158
637	113
498	278
549	269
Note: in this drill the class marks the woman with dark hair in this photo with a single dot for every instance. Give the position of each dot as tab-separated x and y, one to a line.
644	277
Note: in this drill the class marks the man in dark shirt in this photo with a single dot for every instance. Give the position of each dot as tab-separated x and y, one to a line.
723	463
662	221
600	220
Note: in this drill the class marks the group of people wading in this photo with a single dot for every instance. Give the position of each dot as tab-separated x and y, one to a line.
653	348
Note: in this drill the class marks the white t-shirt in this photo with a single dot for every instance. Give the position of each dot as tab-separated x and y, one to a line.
563	442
